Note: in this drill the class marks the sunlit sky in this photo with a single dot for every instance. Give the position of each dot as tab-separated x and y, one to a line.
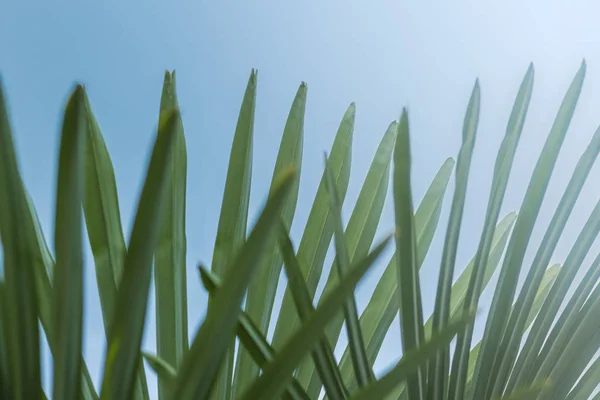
383	55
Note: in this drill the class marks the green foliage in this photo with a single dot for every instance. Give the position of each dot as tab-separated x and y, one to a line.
536	344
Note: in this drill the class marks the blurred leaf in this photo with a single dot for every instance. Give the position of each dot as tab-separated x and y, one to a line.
67	299
199	368
413	360
409	288
251	338
359	235
261	292
233	220
43	270
322	354
19	306
105	233
170	256
125	335
277	374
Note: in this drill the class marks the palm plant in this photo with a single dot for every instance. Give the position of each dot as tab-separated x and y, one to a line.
529	345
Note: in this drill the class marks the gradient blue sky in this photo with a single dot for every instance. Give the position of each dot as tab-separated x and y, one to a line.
381	54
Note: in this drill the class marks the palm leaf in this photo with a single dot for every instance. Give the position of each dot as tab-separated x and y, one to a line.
231	231
504	160
409	288
261	292
170	257
105	232
251	338
19	310
486	371
323	357
200	365
67	304
125	336
439	366
317	235
278	373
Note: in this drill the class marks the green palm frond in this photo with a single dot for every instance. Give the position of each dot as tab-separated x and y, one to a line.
539	340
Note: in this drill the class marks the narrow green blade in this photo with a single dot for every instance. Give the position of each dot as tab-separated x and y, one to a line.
547	282
43	270
577	354
251	338
362	369
20	306
200	365
323	357
169	259
163	369
413	360
574	320
460	287
409	288
105	233
67	299
526	364
513	336
277	374
504	160
359	235
317	234
587	384
486	371
231	231
125	336
382	308
261	292
439	365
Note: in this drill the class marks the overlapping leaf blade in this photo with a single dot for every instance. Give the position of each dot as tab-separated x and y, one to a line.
261	292
200	365
231	231
105	232
19	310
504	160
409	288
322	354
170	282
67	299
383	306
439	365
485	372
413	360
515	327
125	335
252	339
317	236
359	234
362	368
44	269
277	374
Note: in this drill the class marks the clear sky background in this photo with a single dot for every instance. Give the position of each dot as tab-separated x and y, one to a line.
381	54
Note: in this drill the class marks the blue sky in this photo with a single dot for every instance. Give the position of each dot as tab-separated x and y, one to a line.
383	55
